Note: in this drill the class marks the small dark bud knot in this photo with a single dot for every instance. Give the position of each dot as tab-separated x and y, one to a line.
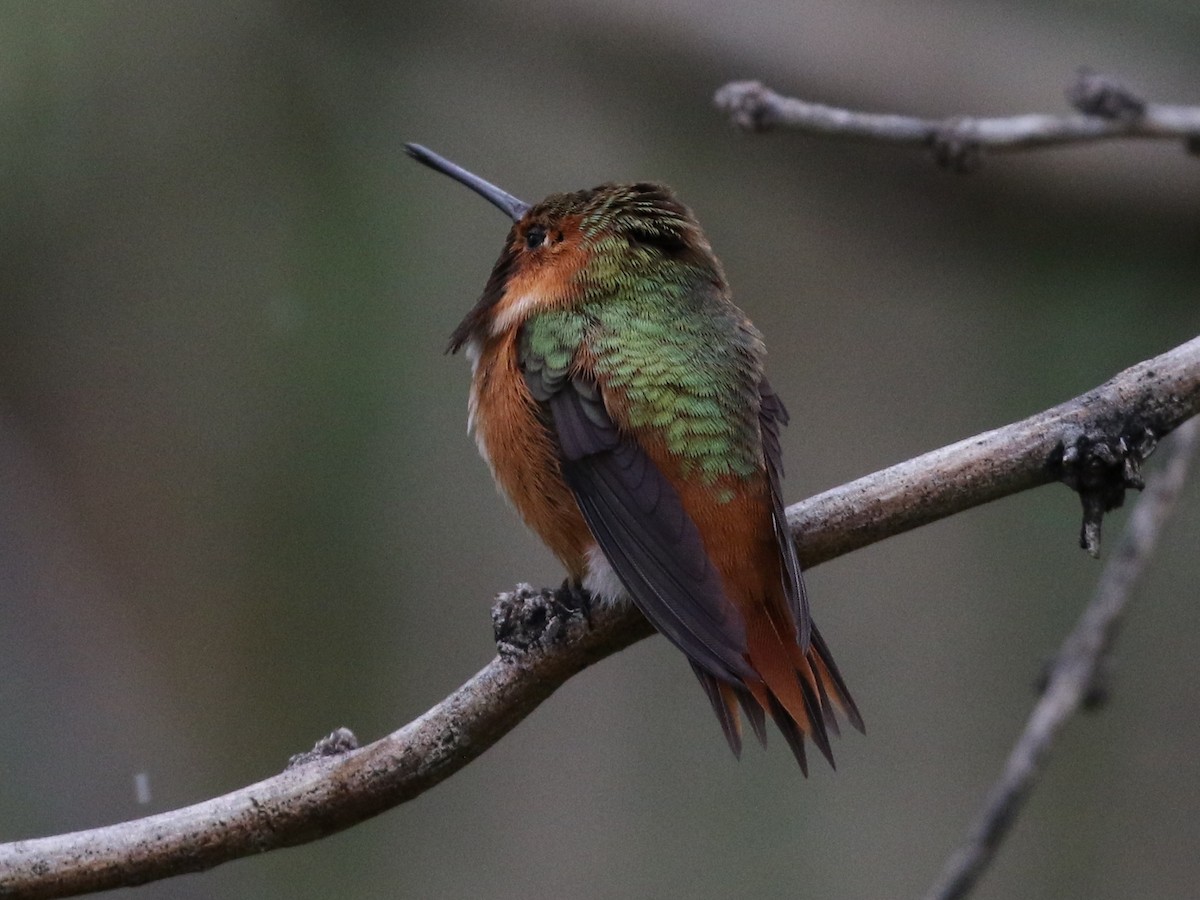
1100	468
337	742
525	619
1094	94
956	147
1099	690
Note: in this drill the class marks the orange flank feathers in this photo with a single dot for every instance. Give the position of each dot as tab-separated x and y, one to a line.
513	439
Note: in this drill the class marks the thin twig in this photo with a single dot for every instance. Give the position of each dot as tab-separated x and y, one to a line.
1074	672
1106	110
331	793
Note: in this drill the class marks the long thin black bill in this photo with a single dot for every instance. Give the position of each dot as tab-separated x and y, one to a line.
512	207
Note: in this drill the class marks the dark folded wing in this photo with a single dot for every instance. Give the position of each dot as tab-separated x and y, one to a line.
638	520
773	416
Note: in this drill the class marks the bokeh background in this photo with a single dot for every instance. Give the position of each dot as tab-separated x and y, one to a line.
238	507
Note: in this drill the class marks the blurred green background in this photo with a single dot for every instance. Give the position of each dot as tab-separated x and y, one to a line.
238	507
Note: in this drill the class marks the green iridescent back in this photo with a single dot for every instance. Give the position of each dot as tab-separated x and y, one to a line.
655	315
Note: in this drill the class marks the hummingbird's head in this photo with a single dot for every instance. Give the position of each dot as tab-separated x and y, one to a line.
577	247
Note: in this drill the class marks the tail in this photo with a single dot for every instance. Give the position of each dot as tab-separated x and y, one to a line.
800	692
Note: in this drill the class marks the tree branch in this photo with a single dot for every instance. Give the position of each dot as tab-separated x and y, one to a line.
544	638
1093	441
1106	108
1074	673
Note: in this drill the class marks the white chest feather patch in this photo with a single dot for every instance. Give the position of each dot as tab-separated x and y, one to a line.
514	313
473	351
601	580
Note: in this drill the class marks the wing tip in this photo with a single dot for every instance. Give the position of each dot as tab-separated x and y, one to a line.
826	671
720	697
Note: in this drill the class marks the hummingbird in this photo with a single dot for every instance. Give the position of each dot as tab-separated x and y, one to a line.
618	397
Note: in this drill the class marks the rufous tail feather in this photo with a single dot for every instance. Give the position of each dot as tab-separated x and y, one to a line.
802	693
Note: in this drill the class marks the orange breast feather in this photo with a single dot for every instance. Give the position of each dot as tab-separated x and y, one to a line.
522	455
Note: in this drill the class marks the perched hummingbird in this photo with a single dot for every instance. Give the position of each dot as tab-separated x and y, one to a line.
618	396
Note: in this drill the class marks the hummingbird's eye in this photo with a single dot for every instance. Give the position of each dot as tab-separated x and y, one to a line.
535	236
